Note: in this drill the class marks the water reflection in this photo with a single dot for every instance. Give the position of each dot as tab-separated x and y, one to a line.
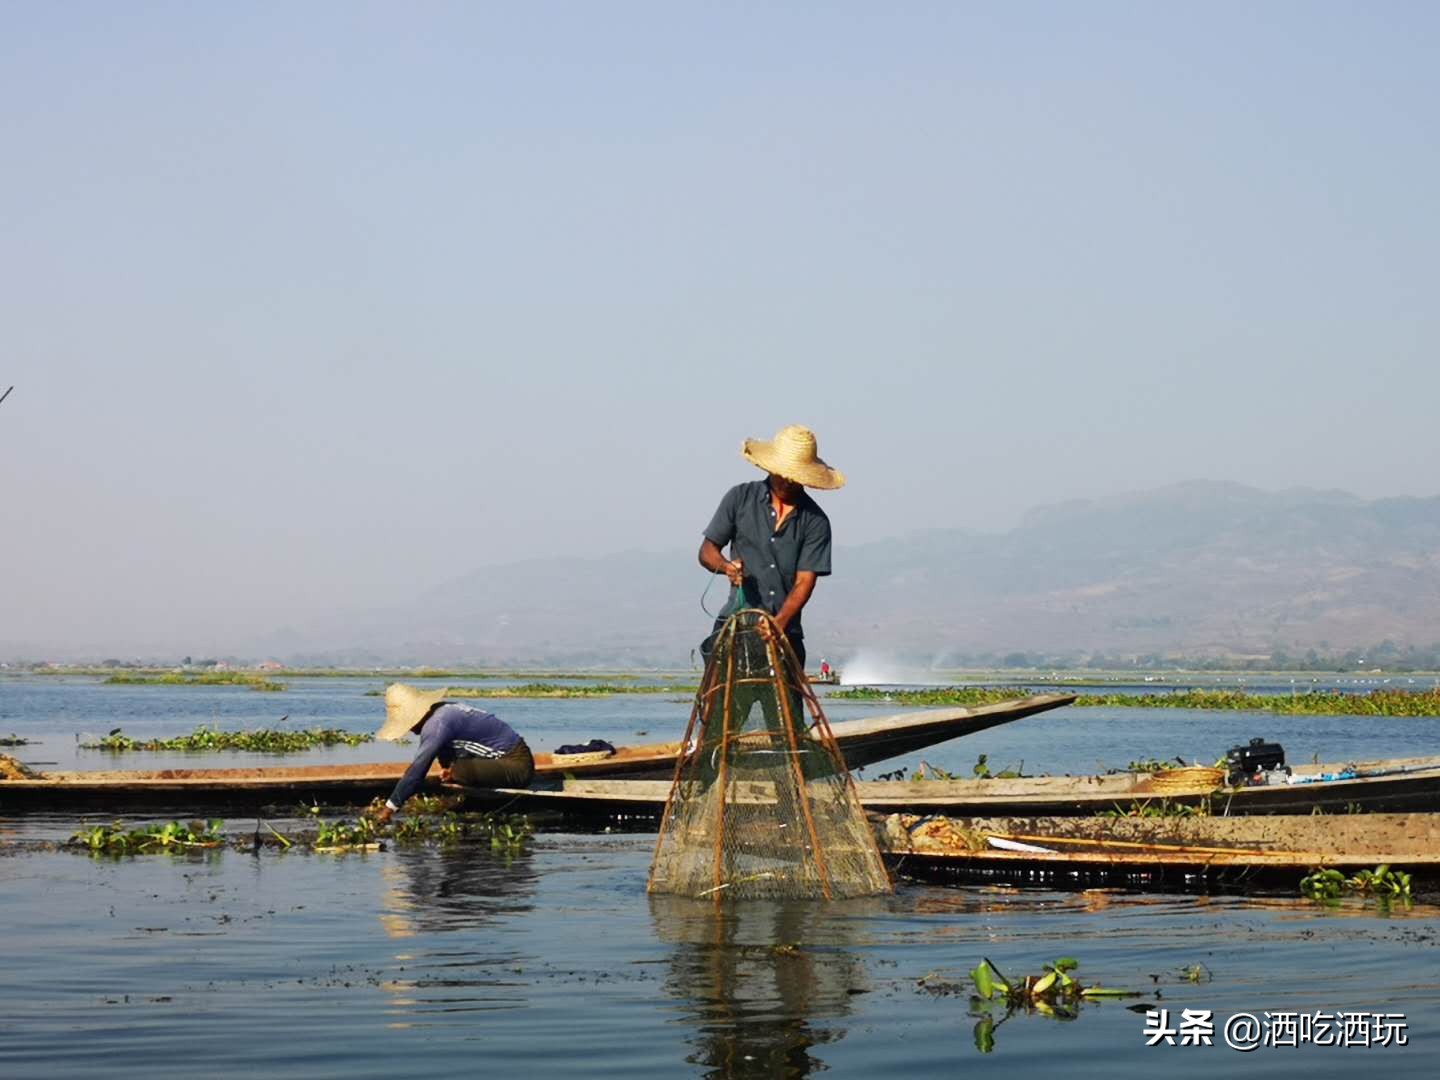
761	982
444	889
453	892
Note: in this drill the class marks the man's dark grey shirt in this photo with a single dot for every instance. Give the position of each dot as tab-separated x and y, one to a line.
746	521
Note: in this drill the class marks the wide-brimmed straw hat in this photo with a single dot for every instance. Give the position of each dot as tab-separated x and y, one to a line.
405	707
792	454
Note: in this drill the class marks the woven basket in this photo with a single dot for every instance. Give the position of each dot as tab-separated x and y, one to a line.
1190	778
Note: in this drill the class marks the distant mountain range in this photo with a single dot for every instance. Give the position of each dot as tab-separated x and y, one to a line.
1196	569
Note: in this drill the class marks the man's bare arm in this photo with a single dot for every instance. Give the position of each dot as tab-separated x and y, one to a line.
713	559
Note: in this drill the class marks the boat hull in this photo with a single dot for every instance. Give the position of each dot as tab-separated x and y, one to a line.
1188	853
1397	785
863	742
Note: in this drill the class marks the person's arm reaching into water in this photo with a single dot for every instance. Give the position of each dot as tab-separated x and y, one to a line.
433	736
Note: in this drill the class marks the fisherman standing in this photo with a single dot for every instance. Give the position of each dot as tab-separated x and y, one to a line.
474	747
779	537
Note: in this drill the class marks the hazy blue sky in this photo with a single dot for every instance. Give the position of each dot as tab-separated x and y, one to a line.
311	305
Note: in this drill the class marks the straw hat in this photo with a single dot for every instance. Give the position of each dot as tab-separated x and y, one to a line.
405	707
791	454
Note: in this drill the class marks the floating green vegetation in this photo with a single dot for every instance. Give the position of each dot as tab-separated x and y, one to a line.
554	690
13	740
979	771
139	672
433	804
1152	765
1055	993
507	835
501	833
343	835
1159	808
209	678
1311	703
262	741
1383	883
430	819
170	838
406	674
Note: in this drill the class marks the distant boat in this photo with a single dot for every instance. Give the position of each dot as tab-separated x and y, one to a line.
828	678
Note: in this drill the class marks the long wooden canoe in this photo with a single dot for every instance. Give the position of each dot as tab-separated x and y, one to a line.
864	742
1400	784
1152	852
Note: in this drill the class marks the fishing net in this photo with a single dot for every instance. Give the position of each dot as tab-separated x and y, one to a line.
762	804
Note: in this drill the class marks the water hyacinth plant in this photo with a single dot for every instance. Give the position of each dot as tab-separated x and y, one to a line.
503	834
554	690
213	678
1055	993
346	835
171	838
261	741
1383	883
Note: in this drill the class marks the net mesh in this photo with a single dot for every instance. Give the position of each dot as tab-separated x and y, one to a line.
762	804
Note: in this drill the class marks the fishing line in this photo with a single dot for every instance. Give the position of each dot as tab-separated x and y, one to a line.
706	593
744	601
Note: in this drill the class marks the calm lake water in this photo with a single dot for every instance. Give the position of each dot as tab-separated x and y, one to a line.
436	961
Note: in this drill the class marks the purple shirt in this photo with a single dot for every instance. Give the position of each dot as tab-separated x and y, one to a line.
449	732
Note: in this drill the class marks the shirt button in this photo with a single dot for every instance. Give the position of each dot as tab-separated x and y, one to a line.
772	566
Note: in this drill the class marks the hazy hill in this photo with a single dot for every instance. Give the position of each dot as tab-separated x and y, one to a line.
1195	568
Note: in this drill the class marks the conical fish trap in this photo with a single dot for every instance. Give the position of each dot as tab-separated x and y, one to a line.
762	804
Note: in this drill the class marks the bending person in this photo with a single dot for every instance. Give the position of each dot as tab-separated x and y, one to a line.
474	748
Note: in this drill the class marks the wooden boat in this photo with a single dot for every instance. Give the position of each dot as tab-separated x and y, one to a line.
863	742
1153	852
1401	784
1393	785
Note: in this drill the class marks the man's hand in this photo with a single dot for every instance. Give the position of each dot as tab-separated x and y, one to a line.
383	815
447	774
735	571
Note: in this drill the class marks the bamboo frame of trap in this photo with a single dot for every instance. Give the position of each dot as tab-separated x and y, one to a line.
776	644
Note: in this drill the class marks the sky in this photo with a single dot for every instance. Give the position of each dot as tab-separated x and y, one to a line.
310	307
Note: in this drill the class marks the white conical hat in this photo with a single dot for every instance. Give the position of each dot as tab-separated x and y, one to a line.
405	707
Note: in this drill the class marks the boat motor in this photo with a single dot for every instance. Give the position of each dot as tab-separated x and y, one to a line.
1246	764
